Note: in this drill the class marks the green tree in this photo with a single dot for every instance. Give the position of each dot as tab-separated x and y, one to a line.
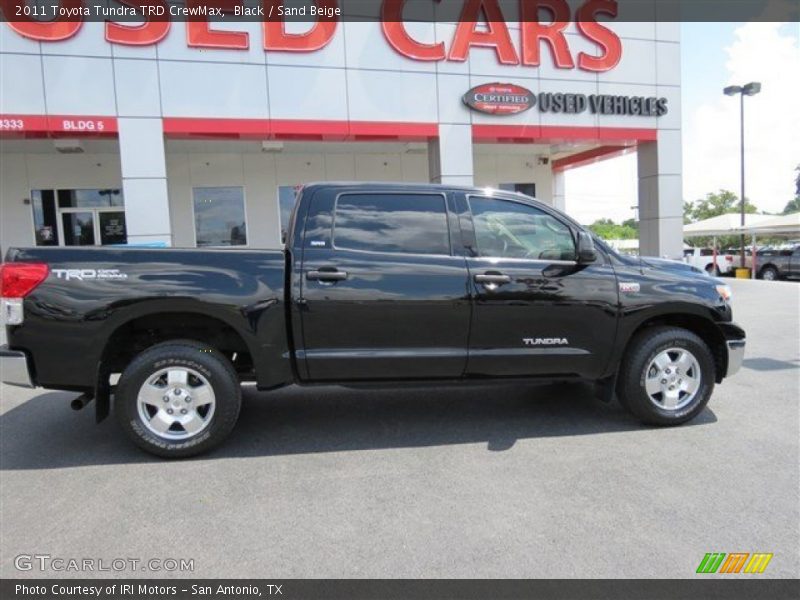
715	204
797	181
792	206
609	230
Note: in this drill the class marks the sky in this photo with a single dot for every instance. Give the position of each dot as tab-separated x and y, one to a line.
715	55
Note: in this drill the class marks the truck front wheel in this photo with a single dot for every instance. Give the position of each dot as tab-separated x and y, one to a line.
178	399
667	376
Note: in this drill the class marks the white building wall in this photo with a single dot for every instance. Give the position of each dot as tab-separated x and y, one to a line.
357	77
21	173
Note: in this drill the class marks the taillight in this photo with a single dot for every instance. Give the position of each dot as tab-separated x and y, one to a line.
729	258
17	280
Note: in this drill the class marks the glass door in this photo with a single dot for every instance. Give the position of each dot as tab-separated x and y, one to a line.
91	227
77	227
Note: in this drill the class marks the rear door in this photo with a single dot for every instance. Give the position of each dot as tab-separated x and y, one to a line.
382	294
536	311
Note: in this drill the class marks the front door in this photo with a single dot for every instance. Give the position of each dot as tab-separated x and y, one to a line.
382	294
91	226
537	312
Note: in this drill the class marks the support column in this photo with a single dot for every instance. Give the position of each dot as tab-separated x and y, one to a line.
661	196
450	155
144	180
559	191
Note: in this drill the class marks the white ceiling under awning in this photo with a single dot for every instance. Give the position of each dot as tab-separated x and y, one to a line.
783	225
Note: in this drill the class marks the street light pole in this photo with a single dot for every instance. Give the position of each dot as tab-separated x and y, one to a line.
741	165
751	89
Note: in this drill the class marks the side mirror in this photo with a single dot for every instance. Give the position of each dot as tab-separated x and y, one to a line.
586	252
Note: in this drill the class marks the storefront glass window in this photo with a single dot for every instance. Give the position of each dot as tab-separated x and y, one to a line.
89	198
44	217
219	216
82	217
529	189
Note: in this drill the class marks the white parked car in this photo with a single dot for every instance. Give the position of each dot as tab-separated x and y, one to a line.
703	258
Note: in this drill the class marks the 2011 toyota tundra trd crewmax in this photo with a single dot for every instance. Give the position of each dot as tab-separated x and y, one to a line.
378	284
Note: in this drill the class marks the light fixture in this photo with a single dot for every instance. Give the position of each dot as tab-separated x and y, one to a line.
67	146
271	146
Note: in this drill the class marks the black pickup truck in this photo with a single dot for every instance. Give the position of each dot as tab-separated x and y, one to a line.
378	284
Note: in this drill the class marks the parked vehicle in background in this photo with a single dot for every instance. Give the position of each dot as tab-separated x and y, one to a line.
777	264
703	258
378	284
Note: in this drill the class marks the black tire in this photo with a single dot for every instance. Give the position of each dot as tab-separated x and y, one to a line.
642	350
197	358
712	270
769	274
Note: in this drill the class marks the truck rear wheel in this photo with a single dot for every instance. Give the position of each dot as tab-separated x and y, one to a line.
178	399
667	376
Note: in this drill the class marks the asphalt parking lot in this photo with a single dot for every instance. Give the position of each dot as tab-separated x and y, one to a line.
505	481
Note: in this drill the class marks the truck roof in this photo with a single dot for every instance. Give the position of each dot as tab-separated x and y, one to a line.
415	186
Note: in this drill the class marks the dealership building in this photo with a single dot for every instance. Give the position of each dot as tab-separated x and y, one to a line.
199	133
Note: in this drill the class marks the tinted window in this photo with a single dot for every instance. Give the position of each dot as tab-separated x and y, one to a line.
89	198
407	223
513	230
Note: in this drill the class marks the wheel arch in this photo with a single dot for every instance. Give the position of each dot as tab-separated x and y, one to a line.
702	327
145	329
164	325
768	265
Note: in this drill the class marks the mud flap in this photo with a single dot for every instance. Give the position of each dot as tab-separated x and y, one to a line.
102	395
605	388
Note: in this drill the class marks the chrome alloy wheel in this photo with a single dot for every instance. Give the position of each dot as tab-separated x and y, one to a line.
672	379
176	403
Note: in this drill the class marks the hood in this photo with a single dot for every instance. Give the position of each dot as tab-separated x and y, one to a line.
672	266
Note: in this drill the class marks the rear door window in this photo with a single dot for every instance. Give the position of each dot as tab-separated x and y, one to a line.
397	223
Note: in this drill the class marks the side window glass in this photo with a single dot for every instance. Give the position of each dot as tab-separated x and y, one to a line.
398	223
512	230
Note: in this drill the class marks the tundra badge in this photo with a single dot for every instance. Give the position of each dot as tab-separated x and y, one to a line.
628	287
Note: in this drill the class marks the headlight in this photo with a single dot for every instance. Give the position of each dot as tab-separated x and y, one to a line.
725	292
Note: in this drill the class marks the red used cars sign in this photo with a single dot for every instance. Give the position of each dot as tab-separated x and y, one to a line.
499	98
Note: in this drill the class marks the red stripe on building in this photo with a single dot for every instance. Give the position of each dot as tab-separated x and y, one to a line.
520	134
589	157
42	126
187	127
287	129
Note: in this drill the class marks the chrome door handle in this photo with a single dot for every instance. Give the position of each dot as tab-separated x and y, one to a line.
492	278
326	275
